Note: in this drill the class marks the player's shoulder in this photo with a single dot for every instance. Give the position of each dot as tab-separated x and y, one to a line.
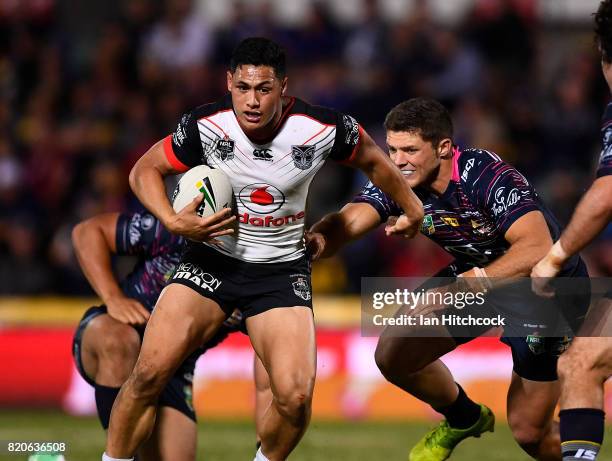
473	161
210	109
321	114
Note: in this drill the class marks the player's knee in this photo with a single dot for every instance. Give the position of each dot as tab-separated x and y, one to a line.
146	383
294	400
117	354
387	358
529	437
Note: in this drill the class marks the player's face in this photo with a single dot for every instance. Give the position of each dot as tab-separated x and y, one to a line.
417	159
256	97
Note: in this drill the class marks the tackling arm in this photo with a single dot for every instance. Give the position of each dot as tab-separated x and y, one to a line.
334	230
94	242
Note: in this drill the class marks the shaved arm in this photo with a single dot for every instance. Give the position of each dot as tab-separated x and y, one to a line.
385	175
529	239
147	182
592	214
353	221
94	243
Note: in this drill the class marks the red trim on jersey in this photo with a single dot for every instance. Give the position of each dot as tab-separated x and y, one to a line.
315	135
222	130
278	125
171	156
355	149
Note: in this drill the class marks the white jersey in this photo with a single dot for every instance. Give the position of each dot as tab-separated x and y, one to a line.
270	180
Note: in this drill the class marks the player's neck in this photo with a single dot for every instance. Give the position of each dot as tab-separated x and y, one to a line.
441	177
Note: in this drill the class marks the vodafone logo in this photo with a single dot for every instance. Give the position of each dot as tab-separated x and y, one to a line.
261	198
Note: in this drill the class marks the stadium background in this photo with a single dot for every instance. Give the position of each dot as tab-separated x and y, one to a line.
86	87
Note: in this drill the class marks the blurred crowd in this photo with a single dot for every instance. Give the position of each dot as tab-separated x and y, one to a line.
87	87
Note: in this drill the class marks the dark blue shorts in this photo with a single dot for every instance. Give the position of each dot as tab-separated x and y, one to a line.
178	393
535	351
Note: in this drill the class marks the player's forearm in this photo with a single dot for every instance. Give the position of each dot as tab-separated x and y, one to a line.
334	230
94	256
592	214
147	182
518	260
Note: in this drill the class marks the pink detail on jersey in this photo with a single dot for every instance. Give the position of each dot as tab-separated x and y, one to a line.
456	155
261	196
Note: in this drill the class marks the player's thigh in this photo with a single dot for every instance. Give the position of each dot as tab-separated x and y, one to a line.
174	437
531	405
109	341
284	340
181	321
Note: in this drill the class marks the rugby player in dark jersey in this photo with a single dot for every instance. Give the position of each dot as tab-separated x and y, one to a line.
490	219
587	364
270	146
108	338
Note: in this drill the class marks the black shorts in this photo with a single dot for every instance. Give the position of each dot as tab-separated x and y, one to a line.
251	287
178	393
535	351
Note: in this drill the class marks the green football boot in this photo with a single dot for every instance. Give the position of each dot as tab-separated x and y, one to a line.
438	444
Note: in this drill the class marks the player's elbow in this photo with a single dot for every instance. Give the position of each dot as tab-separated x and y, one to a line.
79	235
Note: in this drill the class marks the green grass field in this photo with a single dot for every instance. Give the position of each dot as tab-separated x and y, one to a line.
221	441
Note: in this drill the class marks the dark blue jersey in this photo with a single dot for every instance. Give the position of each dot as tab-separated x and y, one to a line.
158	252
605	159
484	197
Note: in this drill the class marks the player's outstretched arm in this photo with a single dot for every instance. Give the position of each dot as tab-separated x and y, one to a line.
147	182
94	242
592	214
334	230
385	175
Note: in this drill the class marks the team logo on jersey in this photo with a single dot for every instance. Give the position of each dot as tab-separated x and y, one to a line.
427	226
225	149
303	156
263	154
301	287
261	198
453	222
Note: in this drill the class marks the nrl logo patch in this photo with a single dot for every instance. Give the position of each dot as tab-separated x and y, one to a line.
427	226
302	156
225	149
301	288
535	343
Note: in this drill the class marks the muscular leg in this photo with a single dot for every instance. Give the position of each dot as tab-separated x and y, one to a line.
412	365
284	340
182	320
174	438
263	394
531	405
583	369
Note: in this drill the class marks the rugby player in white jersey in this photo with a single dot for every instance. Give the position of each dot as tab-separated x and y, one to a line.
587	364
271	146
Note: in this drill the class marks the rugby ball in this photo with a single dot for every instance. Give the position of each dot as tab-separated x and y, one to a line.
213	183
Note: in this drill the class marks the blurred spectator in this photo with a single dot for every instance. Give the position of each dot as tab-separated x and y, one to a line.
87	87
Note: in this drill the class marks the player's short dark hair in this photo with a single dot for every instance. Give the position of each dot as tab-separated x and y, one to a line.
424	116
603	29
259	51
